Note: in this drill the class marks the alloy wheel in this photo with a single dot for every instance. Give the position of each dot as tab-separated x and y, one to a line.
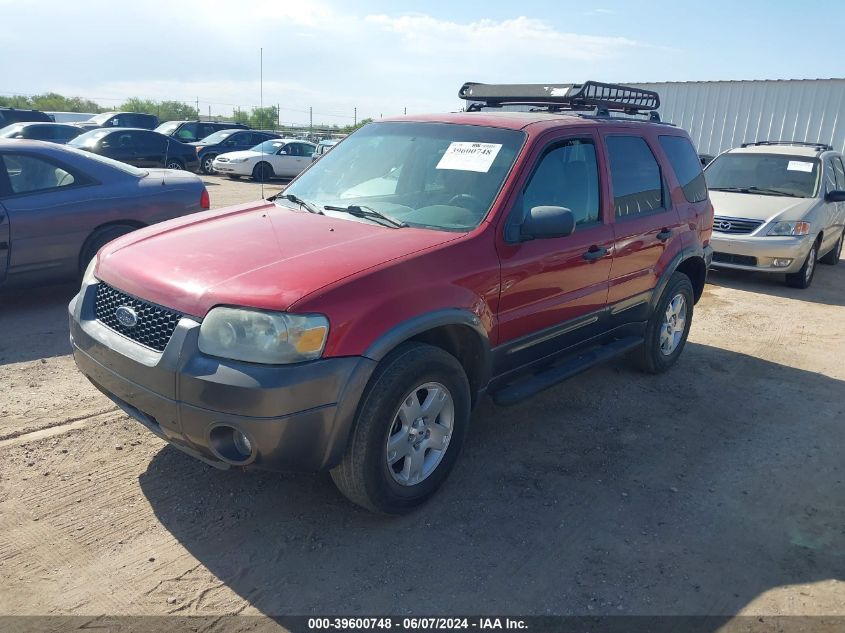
420	433
674	324
811	265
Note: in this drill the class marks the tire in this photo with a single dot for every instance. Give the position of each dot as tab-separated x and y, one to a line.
413	373
662	346
832	258
206	164
262	172
174	163
804	277
97	240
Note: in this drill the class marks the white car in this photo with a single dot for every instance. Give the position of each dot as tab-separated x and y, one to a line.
280	157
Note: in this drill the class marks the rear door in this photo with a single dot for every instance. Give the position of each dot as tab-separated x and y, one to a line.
4	222
646	225
122	146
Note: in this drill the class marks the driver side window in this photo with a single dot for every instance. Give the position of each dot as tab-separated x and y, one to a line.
567	176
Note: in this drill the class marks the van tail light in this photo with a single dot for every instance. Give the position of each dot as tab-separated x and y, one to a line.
205	201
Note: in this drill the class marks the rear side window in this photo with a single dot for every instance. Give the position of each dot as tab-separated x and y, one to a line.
567	176
635	175
28	174
686	165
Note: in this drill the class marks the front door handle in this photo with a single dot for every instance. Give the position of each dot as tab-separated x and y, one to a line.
595	252
664	235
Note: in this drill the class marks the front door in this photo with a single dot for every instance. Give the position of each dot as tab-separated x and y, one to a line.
4	236
554	291
834	212
646	225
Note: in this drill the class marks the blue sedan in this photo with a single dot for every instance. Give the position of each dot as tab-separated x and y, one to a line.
59	205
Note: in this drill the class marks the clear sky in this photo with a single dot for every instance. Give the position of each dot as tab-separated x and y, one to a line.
384	56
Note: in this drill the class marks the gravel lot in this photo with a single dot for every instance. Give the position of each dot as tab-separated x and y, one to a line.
714	489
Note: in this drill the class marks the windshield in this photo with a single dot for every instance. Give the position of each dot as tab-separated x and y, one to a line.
101	118
268	147
217	137
771	174
167	128
125	168
10	130
89	139
433	175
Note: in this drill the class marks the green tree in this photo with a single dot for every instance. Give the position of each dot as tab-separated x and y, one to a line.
351	128
164	110
264	118
239	116
51	102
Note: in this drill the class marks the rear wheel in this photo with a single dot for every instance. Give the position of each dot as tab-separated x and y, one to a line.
408	432
832	258
668	328
97	240
207	164
174	163
804	277
262	172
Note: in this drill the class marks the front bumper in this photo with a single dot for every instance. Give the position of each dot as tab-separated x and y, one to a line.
296	417
763	249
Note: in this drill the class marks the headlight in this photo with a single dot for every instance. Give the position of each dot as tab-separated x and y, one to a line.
790	228
88	277
258	336
238	160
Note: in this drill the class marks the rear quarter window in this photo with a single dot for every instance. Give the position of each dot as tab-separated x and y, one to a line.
687	166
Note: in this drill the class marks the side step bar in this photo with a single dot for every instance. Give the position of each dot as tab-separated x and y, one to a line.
525	388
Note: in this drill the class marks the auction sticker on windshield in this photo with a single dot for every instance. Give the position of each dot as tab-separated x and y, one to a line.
799	165
468	156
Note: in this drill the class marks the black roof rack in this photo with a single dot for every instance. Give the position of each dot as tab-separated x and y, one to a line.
585	96
822	147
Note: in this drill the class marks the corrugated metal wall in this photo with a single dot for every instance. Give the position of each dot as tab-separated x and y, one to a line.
722	114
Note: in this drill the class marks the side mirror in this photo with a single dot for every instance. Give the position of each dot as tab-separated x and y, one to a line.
545	222
835	196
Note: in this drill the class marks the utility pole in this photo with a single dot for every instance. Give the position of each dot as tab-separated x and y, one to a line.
406	109
278	115
355	117
209	112
310	122
198	107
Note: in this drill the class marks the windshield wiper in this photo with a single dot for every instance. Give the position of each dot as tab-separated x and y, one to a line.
760	190
311	208
367	212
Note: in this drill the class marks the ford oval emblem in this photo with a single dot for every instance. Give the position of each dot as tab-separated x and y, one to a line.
126	316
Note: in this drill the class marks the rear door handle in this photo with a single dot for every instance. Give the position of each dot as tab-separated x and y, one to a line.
664	235
595	252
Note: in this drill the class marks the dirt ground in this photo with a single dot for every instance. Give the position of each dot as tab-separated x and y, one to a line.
716	488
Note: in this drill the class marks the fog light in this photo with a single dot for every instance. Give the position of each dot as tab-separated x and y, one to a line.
242	443
781	262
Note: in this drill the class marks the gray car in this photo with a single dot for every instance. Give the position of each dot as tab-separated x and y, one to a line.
59	205
779	208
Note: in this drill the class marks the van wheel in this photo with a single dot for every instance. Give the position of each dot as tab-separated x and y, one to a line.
408	431
262	172
832	258
668	328
804	277
97	240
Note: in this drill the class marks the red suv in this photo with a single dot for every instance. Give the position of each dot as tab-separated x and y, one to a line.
353	322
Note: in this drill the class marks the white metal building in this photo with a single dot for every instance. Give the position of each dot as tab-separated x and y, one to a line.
722	114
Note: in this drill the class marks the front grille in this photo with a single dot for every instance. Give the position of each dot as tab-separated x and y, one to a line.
730	258
155	324
735	226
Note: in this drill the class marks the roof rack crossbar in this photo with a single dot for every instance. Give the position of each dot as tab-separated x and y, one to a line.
588	95
820	145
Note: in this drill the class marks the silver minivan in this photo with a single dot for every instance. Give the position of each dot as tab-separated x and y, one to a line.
779	208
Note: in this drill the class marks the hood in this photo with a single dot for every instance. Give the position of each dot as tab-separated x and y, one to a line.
259	255
242	154
759	207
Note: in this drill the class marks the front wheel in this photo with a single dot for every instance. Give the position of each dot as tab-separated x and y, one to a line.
408	432
804	277
173	163
668	328
262	172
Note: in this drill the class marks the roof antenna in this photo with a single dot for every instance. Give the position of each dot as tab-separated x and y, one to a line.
262	171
